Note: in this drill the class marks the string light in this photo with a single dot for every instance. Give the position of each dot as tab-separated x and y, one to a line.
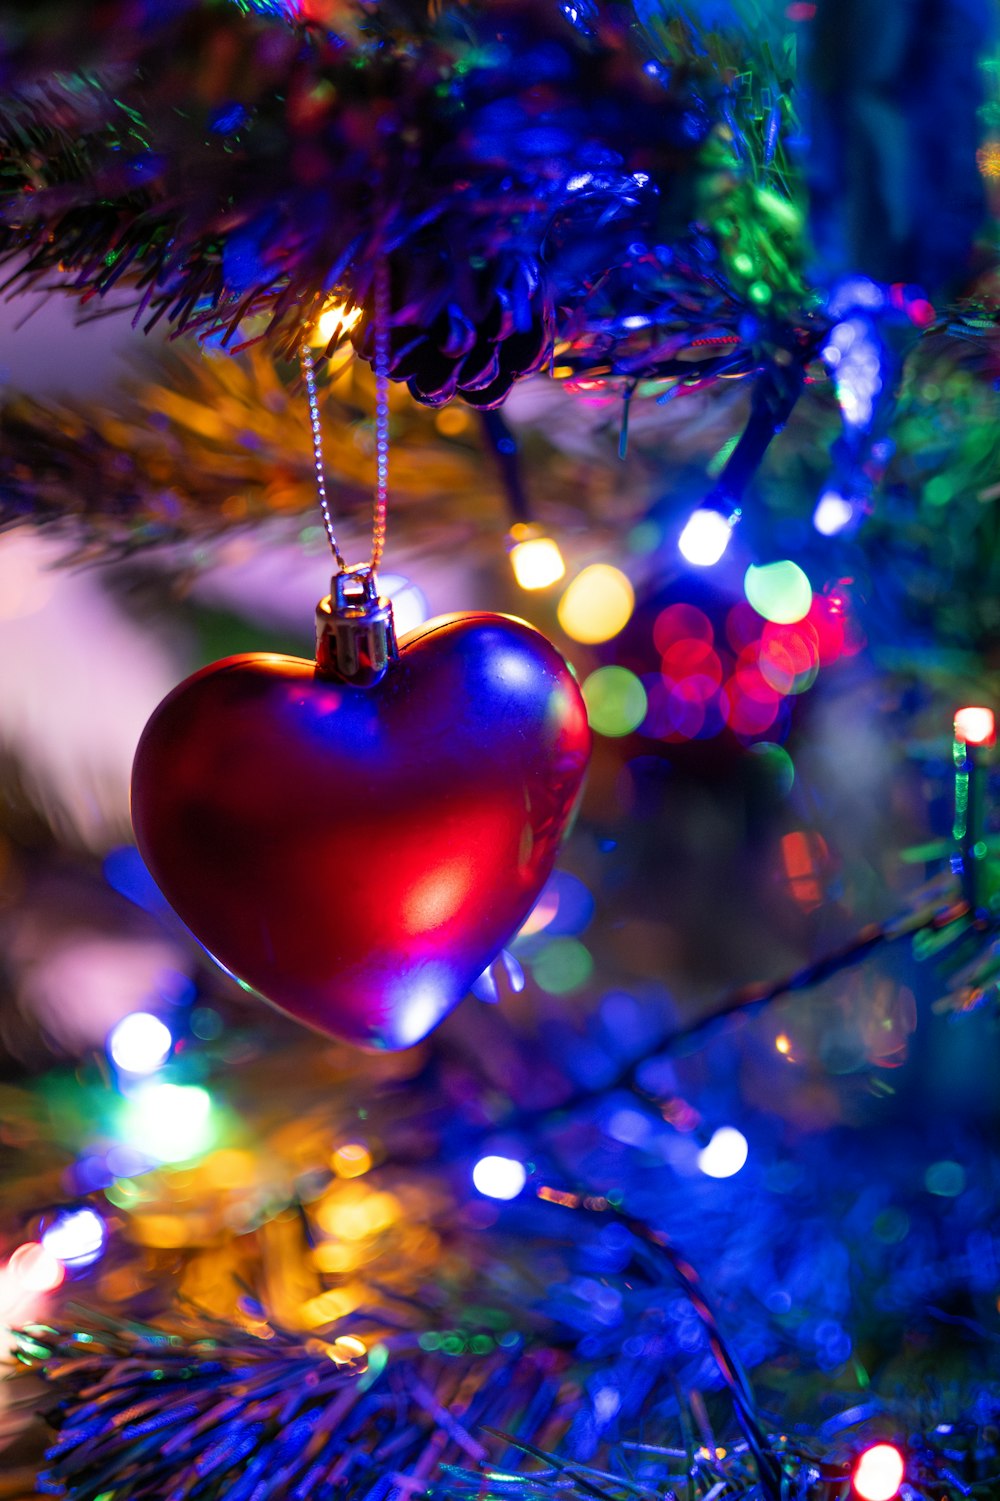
534	557
169	1122
499	1177
76	1237
597	605
832	514
725	1154
781	592
878	1473
706	536
975	726
139	1043
335	319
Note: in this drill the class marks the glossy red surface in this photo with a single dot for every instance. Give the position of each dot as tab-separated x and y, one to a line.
358	856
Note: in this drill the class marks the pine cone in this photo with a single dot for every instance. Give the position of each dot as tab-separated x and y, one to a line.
459	330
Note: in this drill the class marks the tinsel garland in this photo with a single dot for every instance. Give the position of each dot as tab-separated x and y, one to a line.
222	190
207	1413
552	1370
225	165
195	445
226	169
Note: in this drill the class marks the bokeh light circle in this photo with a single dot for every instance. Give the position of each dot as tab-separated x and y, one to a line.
597	604
616	701
681	622
781	592
140	1043
76	1237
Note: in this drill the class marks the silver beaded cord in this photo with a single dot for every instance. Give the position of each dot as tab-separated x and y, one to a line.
381	412
380	515
309	371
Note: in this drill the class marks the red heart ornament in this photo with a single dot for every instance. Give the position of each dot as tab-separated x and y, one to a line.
359	855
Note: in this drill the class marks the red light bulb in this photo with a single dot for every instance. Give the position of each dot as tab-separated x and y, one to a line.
976	726
878	1473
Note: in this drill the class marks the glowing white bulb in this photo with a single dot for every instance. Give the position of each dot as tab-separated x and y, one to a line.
76	1238
832	513
878	1474
140	1043
705	537
725	1154
169	1122
499	1177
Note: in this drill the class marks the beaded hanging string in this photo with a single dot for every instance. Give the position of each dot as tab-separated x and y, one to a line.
381	504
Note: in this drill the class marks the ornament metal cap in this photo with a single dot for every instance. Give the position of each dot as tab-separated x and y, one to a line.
355	634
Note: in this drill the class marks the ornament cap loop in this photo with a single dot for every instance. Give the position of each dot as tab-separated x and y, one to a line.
355	633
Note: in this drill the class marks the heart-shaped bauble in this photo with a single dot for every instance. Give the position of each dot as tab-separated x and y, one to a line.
360	855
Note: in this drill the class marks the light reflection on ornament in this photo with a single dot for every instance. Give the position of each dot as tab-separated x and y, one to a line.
140	1043
409	603
419	1011
503	967
541	913
597	604
705	537
878	1473
725	1154
76	1237
499	1177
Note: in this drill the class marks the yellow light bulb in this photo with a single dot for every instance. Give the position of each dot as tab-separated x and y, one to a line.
351	1160
535	559
334	321
597	604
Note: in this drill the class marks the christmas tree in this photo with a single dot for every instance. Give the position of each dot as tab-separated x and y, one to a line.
621	380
